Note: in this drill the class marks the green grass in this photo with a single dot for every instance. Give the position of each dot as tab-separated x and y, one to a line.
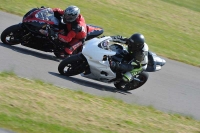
171	28
32	106
190	4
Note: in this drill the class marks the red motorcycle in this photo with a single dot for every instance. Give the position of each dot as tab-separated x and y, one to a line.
38	29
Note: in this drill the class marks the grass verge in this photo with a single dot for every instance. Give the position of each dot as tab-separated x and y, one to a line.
32	106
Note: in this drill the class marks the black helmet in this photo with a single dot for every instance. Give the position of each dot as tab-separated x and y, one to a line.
71	13
136	42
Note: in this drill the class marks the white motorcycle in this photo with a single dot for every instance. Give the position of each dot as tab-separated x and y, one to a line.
94	63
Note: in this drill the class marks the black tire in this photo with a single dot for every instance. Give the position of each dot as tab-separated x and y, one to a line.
74	63
143	77
12	35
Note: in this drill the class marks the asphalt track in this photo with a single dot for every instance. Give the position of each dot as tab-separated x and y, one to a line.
174	89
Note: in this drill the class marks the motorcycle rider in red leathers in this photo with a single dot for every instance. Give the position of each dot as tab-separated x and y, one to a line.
74	27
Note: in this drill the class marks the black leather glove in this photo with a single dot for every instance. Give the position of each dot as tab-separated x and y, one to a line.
114	65
77	28
119	38
52	34
55	36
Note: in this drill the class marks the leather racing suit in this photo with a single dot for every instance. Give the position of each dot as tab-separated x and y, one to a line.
135	61
74	32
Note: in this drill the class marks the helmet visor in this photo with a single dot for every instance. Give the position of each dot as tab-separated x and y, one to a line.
68	18
134	46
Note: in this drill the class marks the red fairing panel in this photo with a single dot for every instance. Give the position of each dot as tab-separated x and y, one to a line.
91	29
36	16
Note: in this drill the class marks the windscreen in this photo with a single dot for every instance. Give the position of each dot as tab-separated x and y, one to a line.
48	15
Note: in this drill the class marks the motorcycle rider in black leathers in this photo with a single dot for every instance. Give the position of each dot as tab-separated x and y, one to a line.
136	56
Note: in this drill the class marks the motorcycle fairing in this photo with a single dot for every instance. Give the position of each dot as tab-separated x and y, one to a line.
154	62
43	15
90	51
93	31
100	69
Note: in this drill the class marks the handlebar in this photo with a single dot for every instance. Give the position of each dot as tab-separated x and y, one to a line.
51	32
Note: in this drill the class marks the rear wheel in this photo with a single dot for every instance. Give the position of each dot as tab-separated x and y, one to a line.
72	65
12	35
134	84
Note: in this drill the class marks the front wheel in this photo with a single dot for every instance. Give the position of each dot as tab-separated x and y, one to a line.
134	84
12	35
73	65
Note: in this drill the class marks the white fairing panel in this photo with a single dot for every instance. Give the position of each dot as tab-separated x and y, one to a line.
94	56
97	68
93	52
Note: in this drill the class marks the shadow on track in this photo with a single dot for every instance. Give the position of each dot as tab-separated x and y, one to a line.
30	52
90	84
